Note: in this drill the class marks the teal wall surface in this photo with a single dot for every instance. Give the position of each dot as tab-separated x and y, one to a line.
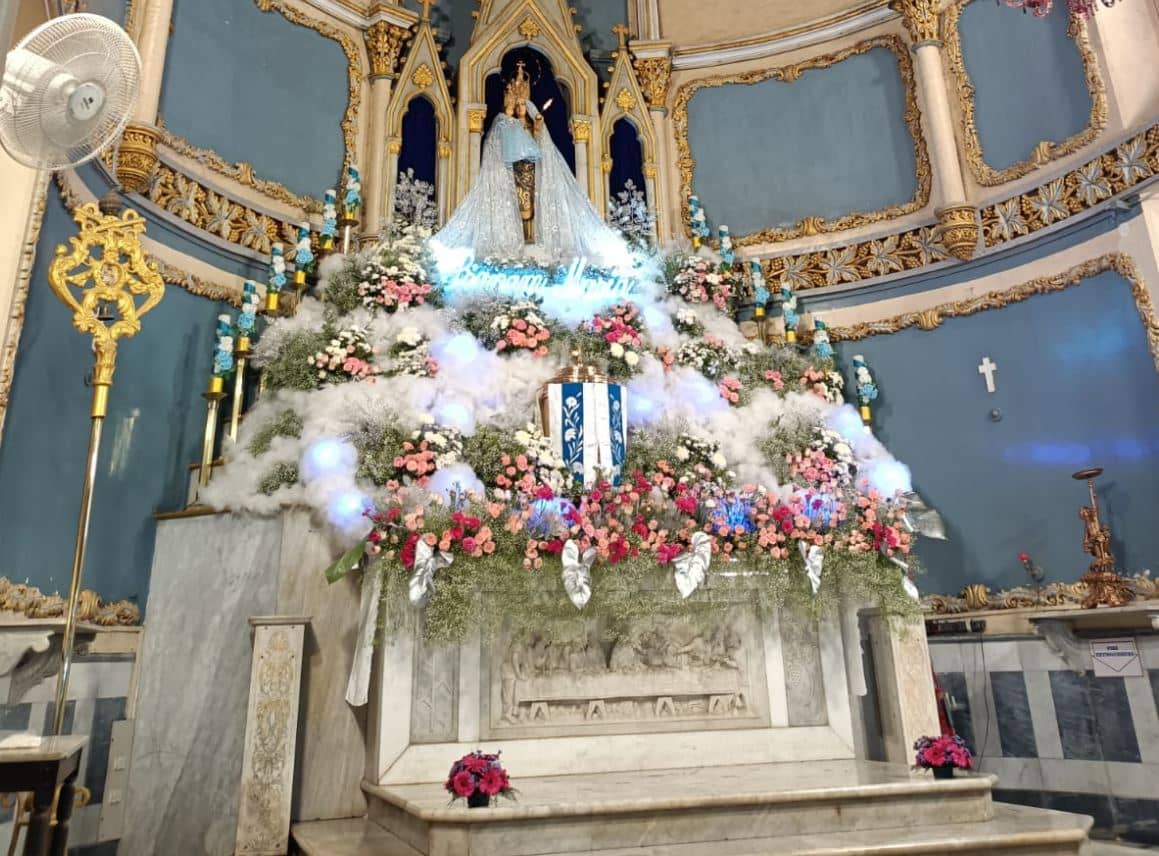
153	432
832	142
1076	387
253	87
1028	79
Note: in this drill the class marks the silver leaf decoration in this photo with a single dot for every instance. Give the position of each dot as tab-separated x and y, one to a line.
692	565
907	584
814	558
577	573
922	519
422	578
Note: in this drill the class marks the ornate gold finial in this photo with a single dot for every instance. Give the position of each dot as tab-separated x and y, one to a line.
529	29
110	279
384	42
137	157
625	100
958	230
426	4
623	33
423	76
921	18
654	74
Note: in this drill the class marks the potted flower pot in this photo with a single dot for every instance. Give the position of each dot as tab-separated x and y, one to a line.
943	772
478	800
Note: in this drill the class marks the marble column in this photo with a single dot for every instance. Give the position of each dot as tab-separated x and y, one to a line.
138	152
957	218
443	181
384	41
475	117
653	67
905	684
581	131
390	175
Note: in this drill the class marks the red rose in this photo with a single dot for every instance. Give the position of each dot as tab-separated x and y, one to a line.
464	784
1024	557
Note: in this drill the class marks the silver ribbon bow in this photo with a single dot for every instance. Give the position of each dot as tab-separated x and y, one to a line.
422	578
577	573
692	565
814	558
922	519
907	584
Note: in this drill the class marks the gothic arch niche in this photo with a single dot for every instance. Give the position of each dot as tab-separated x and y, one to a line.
418	156
545	87
625	155
547	27
421	77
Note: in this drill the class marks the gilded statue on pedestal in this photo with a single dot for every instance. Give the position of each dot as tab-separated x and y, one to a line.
1104	586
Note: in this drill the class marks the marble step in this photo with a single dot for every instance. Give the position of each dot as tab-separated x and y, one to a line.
1013	831
665	808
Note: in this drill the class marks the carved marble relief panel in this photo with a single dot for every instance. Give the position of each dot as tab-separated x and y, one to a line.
434	713
670	674
804	681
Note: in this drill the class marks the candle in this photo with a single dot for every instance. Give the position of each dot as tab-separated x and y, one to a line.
223	346
727	256
277	277
866	388
249	307
789	311
760	290
821	346
329	219
697	219
352	202
303	255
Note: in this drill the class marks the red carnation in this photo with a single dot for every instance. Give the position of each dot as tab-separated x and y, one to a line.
464	783
493	782
475	763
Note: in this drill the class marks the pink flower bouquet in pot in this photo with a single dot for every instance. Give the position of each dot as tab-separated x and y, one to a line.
943	755
478	778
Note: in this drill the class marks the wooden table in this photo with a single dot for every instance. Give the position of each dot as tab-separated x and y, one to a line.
39	769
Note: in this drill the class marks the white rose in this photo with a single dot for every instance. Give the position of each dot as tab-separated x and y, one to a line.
632	358
682	454
842	450
522	438
718	461
617	350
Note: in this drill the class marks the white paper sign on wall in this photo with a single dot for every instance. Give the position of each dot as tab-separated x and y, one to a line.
1116	658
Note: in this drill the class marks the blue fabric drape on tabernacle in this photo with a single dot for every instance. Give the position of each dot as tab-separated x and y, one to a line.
627	157
419	130
544	88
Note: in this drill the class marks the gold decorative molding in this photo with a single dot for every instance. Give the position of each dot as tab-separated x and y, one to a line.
581	130
137	157
423	76
1097	180
529	29
1045	151
475	119
20	293
920	17
170	273
384	42
958	230
625	100
394	146
979	598
444	149
654	74
241	172
932	317
649	170
29	601
912	117
354	68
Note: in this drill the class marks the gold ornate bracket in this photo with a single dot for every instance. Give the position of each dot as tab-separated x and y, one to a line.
811	225
1046	151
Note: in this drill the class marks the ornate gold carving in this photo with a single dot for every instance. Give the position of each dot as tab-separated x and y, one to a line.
423	76
649	170
606	165
1097	180
1120	263
475	119
354	72
625	100
920	18
29	601
1045	151
654	74
394	146
958	230
444	149
106	263
529	29
384	42
137	158
581	130
687	164
979	598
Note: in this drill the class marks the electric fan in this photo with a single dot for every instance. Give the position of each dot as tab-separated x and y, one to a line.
68	91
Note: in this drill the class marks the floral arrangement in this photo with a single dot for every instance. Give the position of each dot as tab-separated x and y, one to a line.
943	752
478	778
826	384
223	346
697	220
414	203
431	447
727	255
410	355
348	356
687	322
700	460
731	390
508	327
628	214
709	356
617	336
696	279
247	321
392	287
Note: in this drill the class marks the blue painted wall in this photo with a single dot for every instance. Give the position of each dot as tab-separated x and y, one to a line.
832	142
152	434
254	87
1028	79
1076	386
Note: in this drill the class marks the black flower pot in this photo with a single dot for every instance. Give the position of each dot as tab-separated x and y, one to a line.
943	772
478	800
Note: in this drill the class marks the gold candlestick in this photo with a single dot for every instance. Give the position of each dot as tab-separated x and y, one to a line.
349	235
111	280
241	356
214	396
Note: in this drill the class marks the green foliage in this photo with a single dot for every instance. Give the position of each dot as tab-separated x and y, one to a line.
280	475
378	444
292	369
647	447
341	292
485	449
285	424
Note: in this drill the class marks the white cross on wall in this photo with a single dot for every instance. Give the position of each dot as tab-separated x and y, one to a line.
988	368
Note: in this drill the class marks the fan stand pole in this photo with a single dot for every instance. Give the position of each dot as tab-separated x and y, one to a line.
99	410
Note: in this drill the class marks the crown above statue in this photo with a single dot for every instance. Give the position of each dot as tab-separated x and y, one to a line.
519	86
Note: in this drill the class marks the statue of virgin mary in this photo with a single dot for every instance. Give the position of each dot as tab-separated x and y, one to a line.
525	200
